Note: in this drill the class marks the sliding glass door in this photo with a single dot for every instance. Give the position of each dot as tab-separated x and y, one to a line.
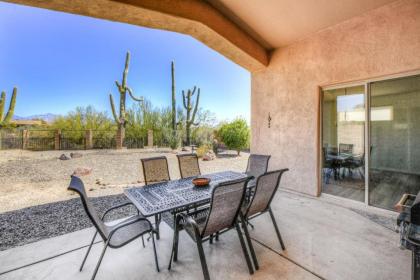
392	149
343	142
394	167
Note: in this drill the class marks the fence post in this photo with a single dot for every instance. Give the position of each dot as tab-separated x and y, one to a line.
25	139
57	139
88	139
149	138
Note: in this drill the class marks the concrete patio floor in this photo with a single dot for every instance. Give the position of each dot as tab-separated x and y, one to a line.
324	239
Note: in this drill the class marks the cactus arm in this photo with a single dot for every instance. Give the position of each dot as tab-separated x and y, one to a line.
111	100
2	104
130	92
11	110
196	106
183	100
193	91
125	73
120	89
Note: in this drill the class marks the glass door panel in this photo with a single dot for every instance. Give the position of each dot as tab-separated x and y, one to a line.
394	167
343	142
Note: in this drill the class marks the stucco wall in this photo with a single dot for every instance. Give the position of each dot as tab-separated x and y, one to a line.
382	42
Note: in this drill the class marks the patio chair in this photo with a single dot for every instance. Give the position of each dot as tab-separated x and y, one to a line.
155	170
257	165
188	165
225	205
265	189
114	236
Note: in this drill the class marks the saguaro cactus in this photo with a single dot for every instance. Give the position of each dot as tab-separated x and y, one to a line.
191	112
123	89
9	114
174	123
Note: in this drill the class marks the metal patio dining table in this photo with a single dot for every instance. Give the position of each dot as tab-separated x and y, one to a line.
169	196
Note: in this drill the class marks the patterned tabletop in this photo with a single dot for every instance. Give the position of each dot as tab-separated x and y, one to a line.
161	197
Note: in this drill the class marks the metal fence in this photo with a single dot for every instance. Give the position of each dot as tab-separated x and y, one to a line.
38	140
10	139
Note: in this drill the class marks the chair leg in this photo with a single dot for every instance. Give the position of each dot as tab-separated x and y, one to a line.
202	259
277	229
174	252
157	221
88	250
100	260
244	249
249	241
142	241
217	236
155	253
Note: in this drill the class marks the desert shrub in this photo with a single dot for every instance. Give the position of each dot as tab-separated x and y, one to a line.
235	135
202	135
203	149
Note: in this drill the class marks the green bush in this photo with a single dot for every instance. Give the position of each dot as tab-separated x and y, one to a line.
235	135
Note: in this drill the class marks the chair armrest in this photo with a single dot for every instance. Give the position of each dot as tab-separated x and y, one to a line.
117	207
188	221
124	224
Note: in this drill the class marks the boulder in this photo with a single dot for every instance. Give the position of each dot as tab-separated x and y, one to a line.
209	156
76	155
64	157
82	171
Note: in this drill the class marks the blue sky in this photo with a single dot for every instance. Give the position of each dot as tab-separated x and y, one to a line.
60	61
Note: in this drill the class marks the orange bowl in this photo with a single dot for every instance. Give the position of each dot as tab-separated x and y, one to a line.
201	182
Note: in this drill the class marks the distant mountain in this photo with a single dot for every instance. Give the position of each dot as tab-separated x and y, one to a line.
46	117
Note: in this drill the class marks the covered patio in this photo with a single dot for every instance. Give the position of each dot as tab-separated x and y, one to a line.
316	48
324	239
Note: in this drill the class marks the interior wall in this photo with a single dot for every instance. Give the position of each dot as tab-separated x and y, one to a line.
381	42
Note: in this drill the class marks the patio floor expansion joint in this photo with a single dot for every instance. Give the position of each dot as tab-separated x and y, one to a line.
288	259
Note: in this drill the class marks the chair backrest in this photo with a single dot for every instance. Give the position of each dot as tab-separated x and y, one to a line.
188	165
265	189
345	148
155	170
77	185
226	201
257	165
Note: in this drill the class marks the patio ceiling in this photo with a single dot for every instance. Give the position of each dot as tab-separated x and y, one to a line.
277	23
196	18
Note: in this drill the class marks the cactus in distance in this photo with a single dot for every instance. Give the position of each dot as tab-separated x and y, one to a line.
123	89
10	111
191	111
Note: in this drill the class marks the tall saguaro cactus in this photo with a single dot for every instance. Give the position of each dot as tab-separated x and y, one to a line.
123	89
191	112
174	123
10	111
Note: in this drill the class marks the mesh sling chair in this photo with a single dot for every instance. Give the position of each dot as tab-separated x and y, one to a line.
155	170
114	236
225	206
257	165
188	165
265	189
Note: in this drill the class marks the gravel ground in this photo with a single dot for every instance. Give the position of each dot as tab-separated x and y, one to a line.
44	221
34	178
35	203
